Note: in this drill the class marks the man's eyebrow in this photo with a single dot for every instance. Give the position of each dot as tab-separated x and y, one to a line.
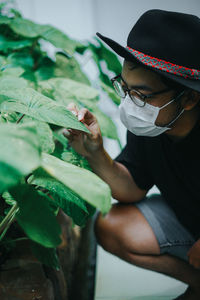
139	86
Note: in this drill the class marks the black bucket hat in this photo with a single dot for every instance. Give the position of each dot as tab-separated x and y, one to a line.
166	42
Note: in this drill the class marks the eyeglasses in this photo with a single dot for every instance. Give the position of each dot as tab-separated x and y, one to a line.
137	97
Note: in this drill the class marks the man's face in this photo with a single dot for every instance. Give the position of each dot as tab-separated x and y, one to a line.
148	82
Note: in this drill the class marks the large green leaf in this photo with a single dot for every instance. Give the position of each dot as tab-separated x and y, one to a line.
84	183
11	82
68	67
36	217
47	256
63	197
66	91
45	134
19	152
28	101
71	89
29	29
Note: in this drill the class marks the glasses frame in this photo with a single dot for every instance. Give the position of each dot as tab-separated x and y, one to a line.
141	95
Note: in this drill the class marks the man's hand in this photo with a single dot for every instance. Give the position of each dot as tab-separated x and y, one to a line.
194	255
84	143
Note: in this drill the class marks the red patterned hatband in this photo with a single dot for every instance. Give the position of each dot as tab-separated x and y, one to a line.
165	65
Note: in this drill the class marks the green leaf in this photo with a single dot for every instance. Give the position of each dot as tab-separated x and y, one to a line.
111	93
107	126
12	83
102	75
27	28
28	101
8	198
45	134
35	216
108	56
68	67
9	176
6	45
46	256
22	59
67	90
4	20
19	152
12	71
63	197
84	183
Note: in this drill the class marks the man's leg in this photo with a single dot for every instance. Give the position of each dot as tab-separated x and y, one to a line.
126	233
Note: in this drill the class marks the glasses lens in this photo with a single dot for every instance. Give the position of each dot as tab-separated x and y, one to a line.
118	88
137	98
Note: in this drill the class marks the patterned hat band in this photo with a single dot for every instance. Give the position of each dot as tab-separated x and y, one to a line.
165	65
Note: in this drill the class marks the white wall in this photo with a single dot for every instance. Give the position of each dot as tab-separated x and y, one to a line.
115	18
74	17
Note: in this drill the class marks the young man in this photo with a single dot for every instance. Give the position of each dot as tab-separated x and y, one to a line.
160	90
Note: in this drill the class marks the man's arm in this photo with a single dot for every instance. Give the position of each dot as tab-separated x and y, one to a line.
122	184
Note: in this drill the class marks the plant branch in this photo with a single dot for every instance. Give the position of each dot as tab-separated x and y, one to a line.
7	226
9	216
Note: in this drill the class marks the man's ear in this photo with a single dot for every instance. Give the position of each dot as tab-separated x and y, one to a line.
191	99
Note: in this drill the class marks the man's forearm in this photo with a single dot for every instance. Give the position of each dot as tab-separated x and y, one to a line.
122	185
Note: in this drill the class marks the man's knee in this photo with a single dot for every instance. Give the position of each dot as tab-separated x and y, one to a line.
124	228
104	229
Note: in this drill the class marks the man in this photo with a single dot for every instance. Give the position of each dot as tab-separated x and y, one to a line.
160	90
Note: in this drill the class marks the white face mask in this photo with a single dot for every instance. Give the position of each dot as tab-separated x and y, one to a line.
141	120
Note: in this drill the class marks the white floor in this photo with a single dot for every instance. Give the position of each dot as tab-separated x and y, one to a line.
118	280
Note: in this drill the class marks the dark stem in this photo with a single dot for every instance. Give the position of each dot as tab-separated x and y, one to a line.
20	118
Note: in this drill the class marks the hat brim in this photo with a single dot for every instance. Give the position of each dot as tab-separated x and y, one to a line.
123	52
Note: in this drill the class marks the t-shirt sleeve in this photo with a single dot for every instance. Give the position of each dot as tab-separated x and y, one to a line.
133	157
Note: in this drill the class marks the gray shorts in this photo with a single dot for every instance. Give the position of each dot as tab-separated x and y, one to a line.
171	235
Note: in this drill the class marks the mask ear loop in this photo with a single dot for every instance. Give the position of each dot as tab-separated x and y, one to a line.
179	113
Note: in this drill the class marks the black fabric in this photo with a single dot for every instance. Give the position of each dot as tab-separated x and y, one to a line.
174	167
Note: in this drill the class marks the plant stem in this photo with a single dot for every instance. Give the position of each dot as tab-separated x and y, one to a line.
7	226
15	240
20	118
7	218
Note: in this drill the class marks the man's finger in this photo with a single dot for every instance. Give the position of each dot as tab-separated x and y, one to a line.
72	107
85	115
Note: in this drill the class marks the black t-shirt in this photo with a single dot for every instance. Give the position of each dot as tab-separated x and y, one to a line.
174	167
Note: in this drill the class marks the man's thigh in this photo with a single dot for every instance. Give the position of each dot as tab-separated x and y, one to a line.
146	227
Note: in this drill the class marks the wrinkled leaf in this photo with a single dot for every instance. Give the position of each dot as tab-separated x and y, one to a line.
59	87
63	197
69	68
27	28
84	183
28	101
45	134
